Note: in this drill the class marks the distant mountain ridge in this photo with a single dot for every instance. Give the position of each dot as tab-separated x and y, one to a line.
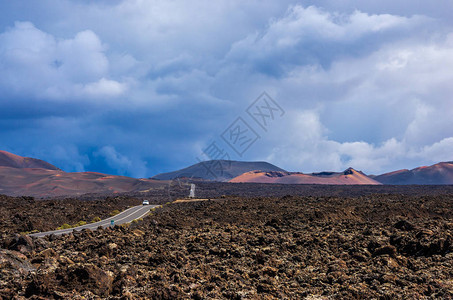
15	161
218	170
24	176
440	173
46	183
348	177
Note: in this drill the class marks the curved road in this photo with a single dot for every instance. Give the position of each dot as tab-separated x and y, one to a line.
126	216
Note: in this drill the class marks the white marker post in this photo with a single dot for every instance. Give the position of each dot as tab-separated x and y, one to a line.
192	191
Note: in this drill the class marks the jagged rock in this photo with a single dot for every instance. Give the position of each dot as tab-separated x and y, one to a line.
22	243
88	276
15	262
404	225
14	268
388	249
112	246
45	254
138	232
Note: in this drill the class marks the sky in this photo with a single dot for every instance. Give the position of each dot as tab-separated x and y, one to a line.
139	87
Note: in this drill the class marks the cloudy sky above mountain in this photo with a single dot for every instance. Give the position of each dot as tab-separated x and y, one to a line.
141	87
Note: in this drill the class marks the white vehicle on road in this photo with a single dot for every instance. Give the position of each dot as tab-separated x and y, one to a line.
145	202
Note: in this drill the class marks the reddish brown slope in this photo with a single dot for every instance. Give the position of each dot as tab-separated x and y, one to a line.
441	173
24	176
50	183
15	161
350	176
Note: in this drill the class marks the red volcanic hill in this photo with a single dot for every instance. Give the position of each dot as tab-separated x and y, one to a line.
348	177
15	161
441	173
22	176
218	170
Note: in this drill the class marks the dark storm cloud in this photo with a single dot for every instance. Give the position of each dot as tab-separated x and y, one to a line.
140	87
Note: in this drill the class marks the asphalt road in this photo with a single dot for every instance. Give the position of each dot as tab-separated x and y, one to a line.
126	216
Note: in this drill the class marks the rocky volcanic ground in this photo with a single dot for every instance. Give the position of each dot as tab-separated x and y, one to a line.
375	246
25	214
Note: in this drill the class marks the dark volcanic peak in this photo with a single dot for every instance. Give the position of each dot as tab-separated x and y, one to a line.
441	173
348	171
218	170
15	161
324	173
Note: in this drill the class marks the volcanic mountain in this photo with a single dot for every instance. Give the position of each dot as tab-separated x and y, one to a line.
15	161
218	170
441	173
23	176
348	177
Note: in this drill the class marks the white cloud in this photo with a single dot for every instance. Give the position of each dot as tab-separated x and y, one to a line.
82	59
440	151
38	65
114	159
66	157
306	147
305	34
389	109
121	163
104	87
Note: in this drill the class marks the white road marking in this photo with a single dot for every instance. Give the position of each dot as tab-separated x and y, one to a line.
127	216
102	223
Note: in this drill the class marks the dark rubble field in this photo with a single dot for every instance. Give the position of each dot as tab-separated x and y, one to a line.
25	214
378	246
